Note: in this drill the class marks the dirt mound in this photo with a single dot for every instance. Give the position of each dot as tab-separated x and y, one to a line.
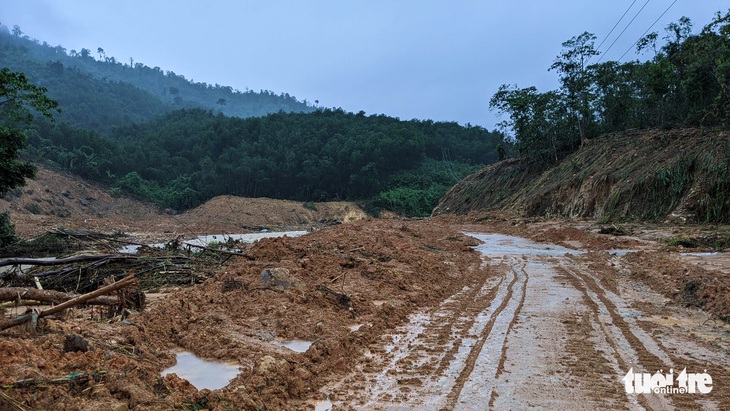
339	288
683	175
268	213
55	199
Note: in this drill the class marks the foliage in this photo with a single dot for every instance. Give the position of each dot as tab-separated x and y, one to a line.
188	156
16	93
684	84
99	94
7	232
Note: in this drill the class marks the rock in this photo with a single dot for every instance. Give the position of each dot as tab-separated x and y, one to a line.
270	365
279	279
75	343
119	406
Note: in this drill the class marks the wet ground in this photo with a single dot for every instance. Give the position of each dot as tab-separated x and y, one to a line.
542	331
388	314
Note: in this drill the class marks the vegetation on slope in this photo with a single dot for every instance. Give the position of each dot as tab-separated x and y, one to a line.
685	84
189	156
157	136
582	151
99	93
682	174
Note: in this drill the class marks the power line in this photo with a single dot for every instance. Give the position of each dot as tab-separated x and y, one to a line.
647	30
623	31
614	26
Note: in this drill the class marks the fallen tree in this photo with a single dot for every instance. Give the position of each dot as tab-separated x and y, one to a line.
34	315
25	294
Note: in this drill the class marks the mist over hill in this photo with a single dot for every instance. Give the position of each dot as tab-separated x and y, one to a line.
157	136
99	92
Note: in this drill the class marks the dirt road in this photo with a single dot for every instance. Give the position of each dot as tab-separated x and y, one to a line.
546	329
400	315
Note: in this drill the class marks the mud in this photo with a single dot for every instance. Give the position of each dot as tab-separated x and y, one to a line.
401	315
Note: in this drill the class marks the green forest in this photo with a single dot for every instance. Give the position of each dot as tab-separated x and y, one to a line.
159	137
686	83
188	156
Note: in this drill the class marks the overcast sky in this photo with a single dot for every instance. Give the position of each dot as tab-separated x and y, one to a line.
425	59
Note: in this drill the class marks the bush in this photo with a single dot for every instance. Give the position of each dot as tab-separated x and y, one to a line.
7	231
413	201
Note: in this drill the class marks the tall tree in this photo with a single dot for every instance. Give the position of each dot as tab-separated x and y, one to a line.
576	82
15	93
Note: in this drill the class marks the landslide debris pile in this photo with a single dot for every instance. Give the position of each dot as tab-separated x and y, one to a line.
682	175
339	288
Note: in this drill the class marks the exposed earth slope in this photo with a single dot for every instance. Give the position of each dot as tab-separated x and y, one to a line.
682	174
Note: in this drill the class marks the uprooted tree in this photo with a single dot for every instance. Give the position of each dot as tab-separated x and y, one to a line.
17	94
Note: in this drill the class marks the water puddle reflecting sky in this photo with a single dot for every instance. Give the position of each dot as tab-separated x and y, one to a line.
201	373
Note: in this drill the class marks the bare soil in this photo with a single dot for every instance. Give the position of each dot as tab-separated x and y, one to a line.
402	314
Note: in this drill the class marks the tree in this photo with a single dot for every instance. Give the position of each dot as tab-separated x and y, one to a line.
16	92
576	82
538	121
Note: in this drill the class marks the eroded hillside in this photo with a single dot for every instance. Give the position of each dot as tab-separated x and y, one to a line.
681	175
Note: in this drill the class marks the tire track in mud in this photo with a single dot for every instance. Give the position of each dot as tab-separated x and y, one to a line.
646	351
422	354
503	357
479	390
567	344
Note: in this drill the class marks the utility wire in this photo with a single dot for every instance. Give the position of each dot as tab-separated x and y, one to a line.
647	30
614	28
623	31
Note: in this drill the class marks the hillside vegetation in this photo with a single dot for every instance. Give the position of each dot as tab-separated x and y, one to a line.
635	140
636	175
685	84
159	137
98	92
189	156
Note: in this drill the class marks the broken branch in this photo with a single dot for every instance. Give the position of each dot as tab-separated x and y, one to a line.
124	282
48	296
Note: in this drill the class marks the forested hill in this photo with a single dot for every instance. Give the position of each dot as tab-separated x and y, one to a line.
99	92
186	157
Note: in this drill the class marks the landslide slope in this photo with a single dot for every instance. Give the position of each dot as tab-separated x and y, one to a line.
681	174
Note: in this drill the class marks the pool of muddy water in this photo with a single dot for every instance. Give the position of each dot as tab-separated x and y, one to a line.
201	373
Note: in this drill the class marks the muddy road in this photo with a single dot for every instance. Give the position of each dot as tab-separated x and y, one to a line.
437	314
544	328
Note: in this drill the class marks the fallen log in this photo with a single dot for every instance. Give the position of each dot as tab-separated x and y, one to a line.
73	378
22	319
58	261
49	296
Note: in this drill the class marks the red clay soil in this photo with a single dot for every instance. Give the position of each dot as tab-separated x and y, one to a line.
369	273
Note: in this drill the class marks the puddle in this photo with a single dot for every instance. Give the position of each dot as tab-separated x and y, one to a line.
500	245
296	345
206	240
200	373
324	405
